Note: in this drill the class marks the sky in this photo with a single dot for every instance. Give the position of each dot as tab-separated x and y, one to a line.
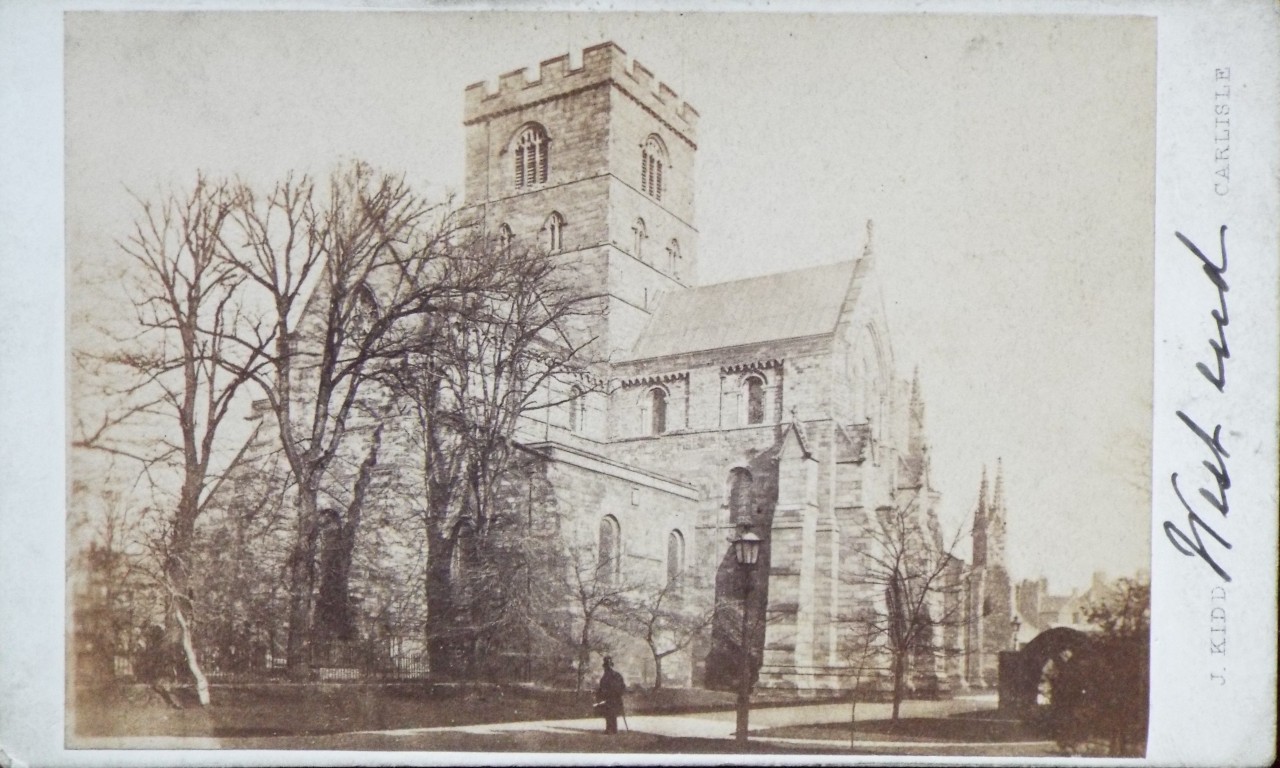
1007	163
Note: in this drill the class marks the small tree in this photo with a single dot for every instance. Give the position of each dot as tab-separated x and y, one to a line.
597	589
183	371
858	652
665	617
905	574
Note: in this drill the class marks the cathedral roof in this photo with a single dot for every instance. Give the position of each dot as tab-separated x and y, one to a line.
786	305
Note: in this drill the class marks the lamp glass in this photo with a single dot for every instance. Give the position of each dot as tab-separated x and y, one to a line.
747	549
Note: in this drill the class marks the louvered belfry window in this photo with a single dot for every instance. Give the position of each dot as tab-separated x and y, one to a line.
532	149
652	159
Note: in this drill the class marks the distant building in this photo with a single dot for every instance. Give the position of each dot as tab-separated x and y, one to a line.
1040	610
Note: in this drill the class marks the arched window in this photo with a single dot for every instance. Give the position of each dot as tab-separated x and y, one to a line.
532	148
609	554
753	395
675	555
577	409
463	553
740	496
673	257
505	236
653	156
639	233
657	411
555	232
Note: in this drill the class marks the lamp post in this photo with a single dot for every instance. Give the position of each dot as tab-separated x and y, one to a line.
746	550
1017	625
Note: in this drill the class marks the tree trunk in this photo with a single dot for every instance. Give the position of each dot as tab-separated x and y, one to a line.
178	635
334	617
853	707
584	651
301	583
439	600
657	672
853	715
189	651
899	671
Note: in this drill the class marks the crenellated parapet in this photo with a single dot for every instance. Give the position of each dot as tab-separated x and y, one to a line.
602	65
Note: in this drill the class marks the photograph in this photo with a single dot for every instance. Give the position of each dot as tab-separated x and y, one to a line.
675	383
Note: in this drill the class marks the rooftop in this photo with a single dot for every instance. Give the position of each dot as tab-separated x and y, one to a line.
786	305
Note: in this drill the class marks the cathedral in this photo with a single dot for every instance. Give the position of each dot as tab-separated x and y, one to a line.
770	403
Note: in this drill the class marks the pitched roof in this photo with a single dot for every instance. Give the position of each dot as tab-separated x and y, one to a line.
786	305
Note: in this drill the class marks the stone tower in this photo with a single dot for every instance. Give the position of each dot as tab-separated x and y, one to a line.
595	162
980	524
988	629
997	526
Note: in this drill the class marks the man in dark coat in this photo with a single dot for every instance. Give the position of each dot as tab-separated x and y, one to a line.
609	696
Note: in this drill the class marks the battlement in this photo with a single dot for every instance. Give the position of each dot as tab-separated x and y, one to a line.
601	64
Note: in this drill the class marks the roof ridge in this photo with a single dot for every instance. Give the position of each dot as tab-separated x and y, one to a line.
780	273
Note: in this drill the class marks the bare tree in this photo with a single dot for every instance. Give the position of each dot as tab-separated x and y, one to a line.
482	374
177	361
858	651
908	593
345	277
597	587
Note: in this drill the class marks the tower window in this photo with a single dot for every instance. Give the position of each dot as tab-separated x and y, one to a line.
555	232
753	392
653	156
532	149
639	233
673	256
505	236
657	411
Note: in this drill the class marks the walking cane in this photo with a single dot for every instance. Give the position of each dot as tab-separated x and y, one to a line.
624	722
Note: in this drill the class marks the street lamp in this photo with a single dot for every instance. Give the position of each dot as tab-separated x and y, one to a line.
746	550
1017	625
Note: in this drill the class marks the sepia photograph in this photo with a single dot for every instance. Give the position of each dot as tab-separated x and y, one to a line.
630	383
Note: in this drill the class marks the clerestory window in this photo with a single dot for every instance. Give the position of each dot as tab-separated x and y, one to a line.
657	411
753	391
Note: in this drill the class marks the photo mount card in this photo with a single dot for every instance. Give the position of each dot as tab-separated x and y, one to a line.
881	367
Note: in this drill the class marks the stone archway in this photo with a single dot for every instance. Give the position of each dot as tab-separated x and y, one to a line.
1023	684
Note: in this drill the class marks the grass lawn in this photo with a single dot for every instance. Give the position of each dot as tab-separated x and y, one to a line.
529	741
316	709
986	726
